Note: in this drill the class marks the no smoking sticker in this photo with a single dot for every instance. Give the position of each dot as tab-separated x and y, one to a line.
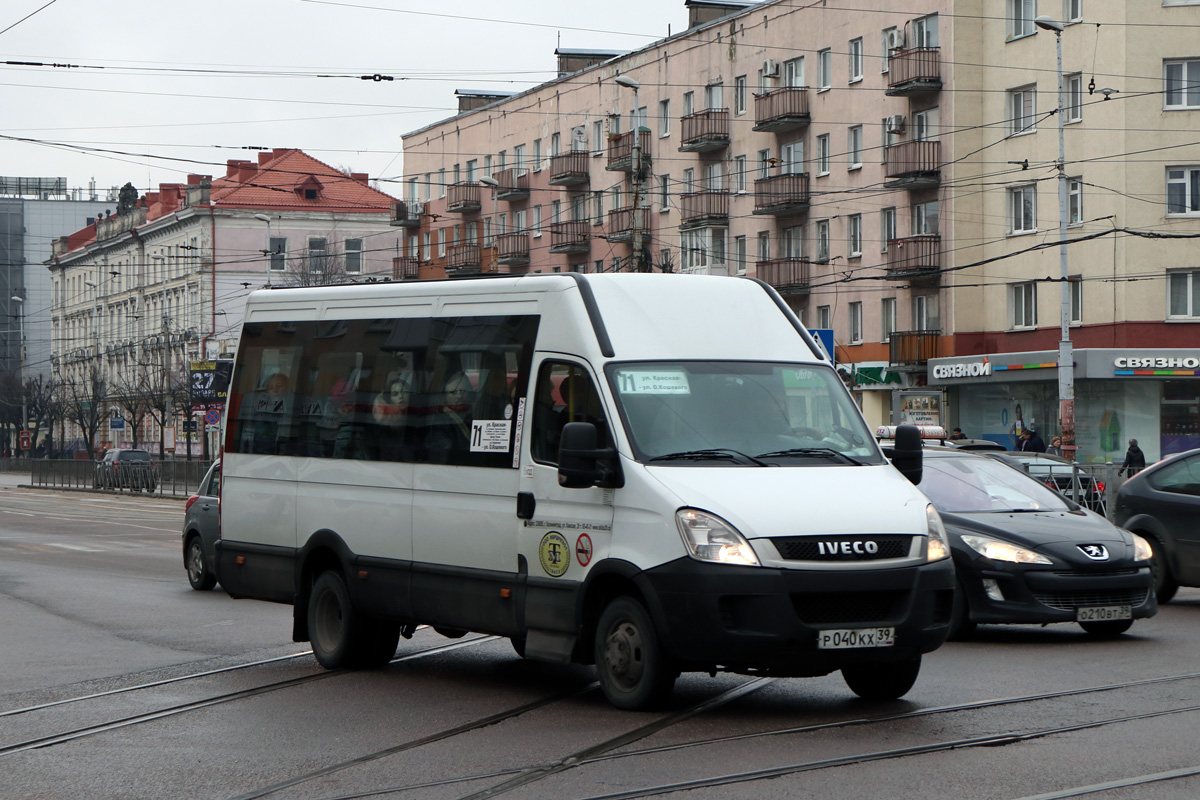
583	549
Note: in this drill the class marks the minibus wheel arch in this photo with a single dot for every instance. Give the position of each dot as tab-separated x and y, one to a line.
606	581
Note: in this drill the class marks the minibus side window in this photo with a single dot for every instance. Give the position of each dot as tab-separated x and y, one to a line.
565	393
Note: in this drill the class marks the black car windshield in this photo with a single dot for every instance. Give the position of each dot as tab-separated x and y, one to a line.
751	414
968	484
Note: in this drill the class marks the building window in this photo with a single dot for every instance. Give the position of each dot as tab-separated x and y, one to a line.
1022	209
1020	17
278	253
714	96
1075	201
519	159
793	72
1073	10
1184	293
664	118
689	180
854	146
1076	287
764	164
822	242
854	234
1074	90
1182	84
317	252
856	323
887	318
413	245
472	166
793	242
1022	107
598	266
823	154
537	221
441	242
664	192
537	155
887	227
442	182
739	254
426	249
739	174
764	245
824	317
924	32
889	34
1022	305
856	60
925	312
689	103
598	139
739	95
824	69
791	158
354	255
1183	190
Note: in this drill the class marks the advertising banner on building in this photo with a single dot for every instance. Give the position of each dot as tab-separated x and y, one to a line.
917	407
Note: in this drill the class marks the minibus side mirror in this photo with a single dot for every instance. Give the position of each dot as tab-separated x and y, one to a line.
906	454
581	464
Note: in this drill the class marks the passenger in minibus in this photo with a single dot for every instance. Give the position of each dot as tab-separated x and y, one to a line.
450	428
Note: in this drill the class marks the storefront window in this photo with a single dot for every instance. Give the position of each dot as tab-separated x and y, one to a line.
1180	417
1000	411
1110	413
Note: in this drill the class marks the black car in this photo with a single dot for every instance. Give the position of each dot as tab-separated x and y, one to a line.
1162	503
125	469
201	529
1026	555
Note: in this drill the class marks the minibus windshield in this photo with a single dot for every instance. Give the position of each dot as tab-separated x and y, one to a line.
721	413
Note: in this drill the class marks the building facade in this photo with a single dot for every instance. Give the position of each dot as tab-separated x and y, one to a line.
140	295
893	172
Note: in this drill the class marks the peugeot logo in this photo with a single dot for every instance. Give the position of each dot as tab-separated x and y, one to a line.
1096	552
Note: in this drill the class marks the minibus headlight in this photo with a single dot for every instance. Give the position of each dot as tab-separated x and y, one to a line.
710	538
999	550
939	543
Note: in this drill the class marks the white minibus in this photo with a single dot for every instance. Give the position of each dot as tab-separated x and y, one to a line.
649	473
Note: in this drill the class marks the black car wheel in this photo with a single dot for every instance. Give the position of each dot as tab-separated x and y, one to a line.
199	575
634	672
882	681
1105	630
1165	584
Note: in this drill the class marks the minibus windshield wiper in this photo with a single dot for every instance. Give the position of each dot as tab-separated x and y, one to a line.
815	452
716	452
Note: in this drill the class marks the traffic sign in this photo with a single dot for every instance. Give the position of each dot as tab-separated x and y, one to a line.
212	417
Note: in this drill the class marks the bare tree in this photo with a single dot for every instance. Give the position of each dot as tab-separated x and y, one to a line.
316	269
85	400
41	395
10	406
133	397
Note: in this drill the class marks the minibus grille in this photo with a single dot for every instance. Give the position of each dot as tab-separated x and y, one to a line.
843	548
824	608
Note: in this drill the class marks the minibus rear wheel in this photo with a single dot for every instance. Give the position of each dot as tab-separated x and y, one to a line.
342	637
883	680
634	672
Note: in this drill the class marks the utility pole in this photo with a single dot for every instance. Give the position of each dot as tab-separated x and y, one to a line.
638	221
24	401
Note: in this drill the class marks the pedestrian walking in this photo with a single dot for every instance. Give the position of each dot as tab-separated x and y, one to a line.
1135	460
1055	448
1030	442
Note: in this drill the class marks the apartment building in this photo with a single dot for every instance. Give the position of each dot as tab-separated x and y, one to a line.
142	294
893	172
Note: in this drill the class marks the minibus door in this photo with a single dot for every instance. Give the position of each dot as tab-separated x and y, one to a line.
562	531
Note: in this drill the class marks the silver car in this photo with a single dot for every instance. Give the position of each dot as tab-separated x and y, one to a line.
201	529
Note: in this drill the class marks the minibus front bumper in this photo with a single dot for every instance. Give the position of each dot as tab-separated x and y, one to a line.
769	621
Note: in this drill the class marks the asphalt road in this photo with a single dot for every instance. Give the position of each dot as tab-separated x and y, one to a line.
118	681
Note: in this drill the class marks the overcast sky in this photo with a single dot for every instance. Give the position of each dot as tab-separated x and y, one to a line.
175	88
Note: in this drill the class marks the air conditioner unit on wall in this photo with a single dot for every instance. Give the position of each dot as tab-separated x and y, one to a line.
895	39
895	123
770	68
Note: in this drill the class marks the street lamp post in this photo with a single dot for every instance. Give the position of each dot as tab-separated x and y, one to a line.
269	251
24	400
1066	355
493	184
638	218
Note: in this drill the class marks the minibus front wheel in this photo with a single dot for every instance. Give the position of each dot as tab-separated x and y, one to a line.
341	636
634	671
882	680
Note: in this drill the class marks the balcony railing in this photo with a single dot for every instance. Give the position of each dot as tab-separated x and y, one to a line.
780	195
914	71
914	348
570	237
405	268
512	184
512	249
783	109
569	169
463	258
620	151
462	197
915	256
913	165
407	215
704	131
703	208
788	275
620	225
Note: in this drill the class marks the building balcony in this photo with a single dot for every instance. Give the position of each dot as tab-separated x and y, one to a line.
704	131
914	348
512	184
788	275
697	209
620	151
915	257
463	198
913	165
571	237
620	225
463	259
570	169
913	72
405	268
781	195
781	110
407	215
512	249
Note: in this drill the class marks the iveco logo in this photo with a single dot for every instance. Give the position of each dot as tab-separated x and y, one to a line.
848	548
1096	552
